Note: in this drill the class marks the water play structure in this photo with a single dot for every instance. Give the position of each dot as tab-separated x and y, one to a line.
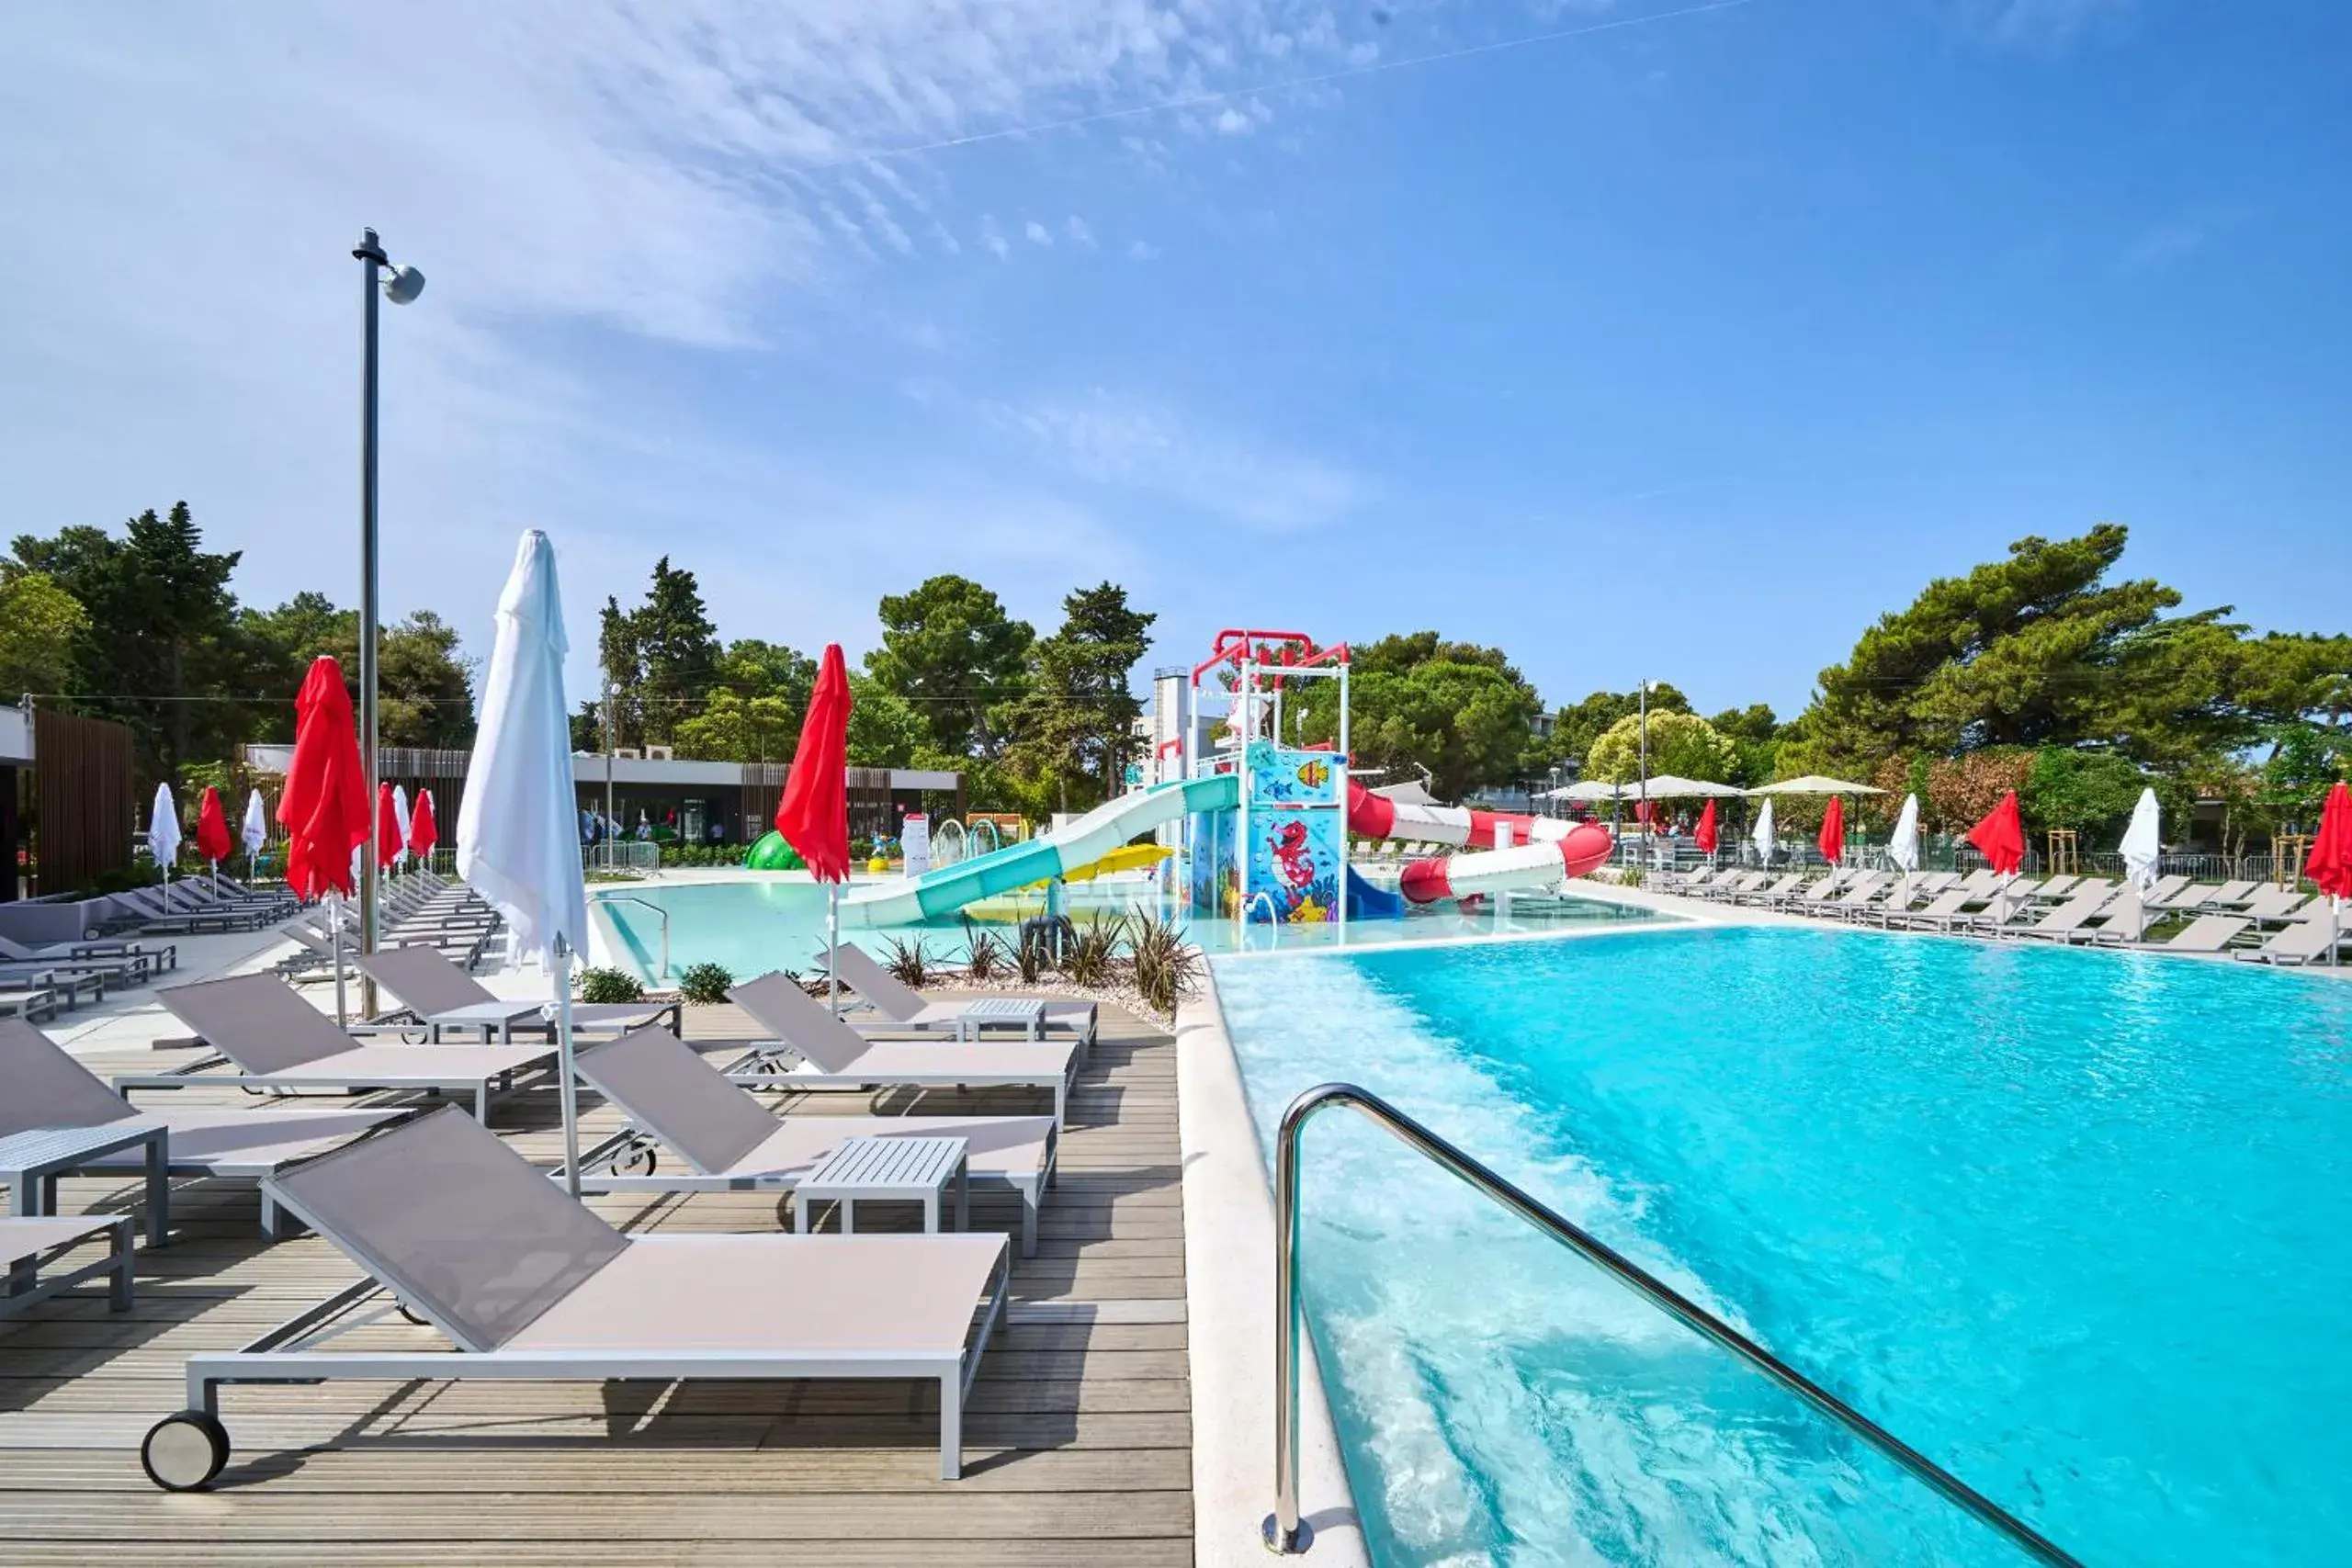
1252	830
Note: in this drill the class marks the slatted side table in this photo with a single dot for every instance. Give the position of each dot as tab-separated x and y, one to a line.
1027	1012
909	1169
30	1163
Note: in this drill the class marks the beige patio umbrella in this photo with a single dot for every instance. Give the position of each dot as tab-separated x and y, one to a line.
1669	786
1813	783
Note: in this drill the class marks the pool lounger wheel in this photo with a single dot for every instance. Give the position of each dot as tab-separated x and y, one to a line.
183	1453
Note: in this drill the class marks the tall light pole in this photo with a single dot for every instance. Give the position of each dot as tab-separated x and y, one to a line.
1644	727
403	285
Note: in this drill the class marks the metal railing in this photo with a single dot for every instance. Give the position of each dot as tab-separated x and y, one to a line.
1286	1533
662	913
640	856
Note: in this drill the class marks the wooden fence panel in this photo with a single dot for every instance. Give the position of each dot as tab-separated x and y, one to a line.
86	804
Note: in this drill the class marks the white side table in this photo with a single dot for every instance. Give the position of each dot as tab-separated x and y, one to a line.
910	1169
1027	1012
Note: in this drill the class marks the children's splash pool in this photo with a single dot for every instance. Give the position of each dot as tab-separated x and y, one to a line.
755	926
2074	1224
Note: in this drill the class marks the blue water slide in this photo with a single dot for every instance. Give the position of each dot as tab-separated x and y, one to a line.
909	901
1367	902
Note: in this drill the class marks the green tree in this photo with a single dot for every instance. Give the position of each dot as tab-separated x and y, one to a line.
885	731
424	681
1574	730
39	625
1417	702
736	728
1682	744
158	648
676	650
1074	724
2090	792
949	649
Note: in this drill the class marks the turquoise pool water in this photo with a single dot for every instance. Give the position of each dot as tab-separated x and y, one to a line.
2077	1224
752	927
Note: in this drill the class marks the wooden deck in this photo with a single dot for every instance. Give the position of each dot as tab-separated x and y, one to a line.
1076	1440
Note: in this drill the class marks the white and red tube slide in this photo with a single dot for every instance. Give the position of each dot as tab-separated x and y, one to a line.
1544	850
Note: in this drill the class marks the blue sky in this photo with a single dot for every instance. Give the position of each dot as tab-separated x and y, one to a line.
1640	340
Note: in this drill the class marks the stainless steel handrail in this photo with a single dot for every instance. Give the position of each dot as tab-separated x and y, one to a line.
1273	918
1286	1533
658	910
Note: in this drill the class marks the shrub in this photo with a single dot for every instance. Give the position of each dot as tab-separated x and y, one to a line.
704	985
910	963
1034	955
986	956
1089	960
610	985
1166	964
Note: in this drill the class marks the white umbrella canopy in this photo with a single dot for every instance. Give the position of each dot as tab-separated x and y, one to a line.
517	844
1762	837
2144	842
400	820
1670	786
1815	783
1586	789
1903	845
255	832
164	835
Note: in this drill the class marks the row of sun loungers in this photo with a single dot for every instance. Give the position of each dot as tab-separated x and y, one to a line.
458	1231
2247	920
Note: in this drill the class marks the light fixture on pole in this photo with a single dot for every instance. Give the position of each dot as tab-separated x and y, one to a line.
400	284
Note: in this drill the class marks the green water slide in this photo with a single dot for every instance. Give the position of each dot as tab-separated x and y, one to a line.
906	901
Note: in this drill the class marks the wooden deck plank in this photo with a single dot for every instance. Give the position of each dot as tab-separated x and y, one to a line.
1077	1436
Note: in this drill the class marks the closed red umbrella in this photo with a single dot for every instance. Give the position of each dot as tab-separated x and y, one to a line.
2329	865
324	808
1833	831
1705	836
212	840
814	815
388	829
422	835
2001	835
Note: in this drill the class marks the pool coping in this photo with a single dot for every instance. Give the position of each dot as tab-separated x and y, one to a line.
1229	1308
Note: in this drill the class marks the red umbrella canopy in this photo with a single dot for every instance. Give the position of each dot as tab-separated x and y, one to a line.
1705	836
212	840
814	815
2001	835
2329	865
422	836
324	808
388	829
1833	831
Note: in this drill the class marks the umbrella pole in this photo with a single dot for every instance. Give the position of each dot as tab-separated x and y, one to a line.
563	1065
334	935
834	947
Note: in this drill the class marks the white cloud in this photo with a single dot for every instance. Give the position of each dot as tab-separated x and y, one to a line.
2045	26
1129	445
1037	232
1078	232
1142	251
182	185
1231	121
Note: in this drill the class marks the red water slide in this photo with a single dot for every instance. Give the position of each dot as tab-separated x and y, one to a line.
1543	848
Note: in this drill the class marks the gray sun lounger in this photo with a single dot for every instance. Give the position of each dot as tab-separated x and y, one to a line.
139	959
529	1285
907	1008
731	1142
28	1246
831	1055
46	1096
277	1041
2310	940
439	995
2207	933
2062	924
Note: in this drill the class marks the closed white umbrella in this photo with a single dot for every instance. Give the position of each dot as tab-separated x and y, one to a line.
1763	835
399	820
2142	847
164	835
516	842
255	832
1903	844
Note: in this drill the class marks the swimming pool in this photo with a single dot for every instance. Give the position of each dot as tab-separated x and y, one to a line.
2074	1224
756	925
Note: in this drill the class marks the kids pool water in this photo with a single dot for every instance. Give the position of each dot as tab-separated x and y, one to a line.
2074	1223
753	926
